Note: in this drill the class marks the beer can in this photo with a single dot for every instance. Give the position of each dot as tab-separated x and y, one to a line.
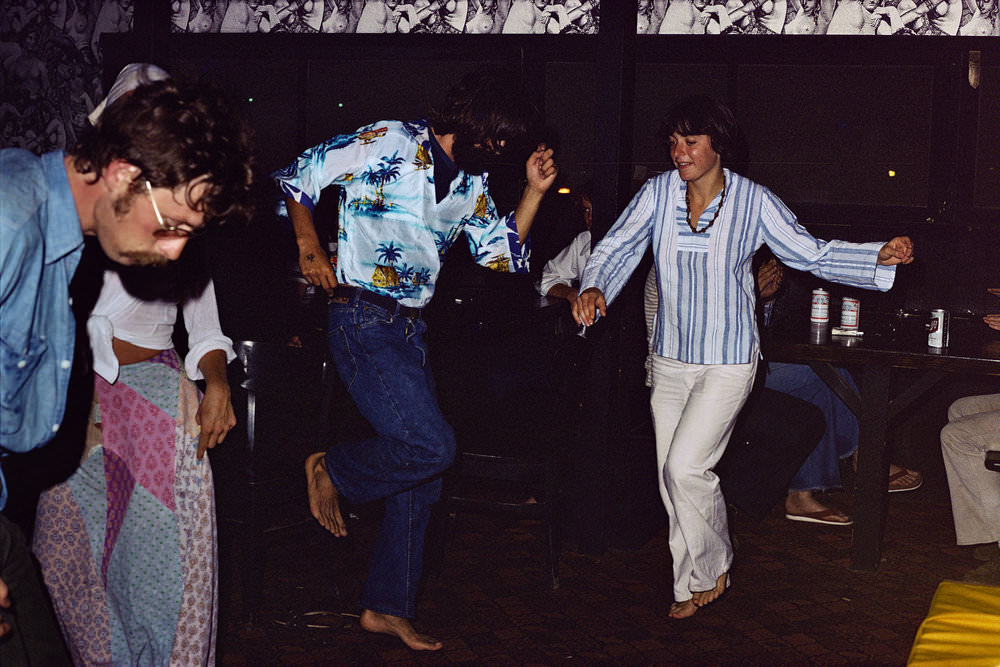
850	313
818	333
820	312
938	335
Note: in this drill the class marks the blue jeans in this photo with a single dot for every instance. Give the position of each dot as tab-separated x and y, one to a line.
822	469
382	359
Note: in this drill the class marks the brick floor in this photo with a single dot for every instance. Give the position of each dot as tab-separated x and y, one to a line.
794	600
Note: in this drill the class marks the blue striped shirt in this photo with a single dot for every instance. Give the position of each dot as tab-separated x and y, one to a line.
705	280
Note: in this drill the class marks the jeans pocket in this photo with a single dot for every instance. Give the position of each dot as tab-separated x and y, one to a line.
371	316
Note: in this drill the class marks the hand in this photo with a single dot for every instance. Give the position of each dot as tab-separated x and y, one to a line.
215	416
315	266
769	277
561	291
4	602
541	169
589	301
897	251
993	319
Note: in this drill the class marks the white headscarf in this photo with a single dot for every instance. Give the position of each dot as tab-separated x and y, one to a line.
131	76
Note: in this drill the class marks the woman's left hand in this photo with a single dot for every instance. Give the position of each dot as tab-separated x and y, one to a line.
215	416
897	251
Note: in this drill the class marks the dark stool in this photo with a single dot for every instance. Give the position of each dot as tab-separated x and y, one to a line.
516	470
501	484
280	395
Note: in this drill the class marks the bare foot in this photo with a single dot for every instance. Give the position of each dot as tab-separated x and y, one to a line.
398	627
323	496
803	503
702	598
684	609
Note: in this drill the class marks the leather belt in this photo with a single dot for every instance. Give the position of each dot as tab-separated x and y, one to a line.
347	293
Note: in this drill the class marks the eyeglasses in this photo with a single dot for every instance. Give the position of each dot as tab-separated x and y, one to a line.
182	230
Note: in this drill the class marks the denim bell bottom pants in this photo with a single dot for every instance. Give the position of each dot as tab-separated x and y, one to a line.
382	359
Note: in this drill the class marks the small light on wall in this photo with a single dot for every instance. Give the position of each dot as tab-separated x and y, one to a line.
340	105
892	173
563	191
249	99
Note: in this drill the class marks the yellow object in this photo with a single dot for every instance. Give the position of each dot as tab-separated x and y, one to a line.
961	628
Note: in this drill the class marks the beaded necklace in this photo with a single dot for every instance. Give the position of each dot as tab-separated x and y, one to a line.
687	202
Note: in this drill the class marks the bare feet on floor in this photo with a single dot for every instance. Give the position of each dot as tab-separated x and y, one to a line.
323	497
684	609
803	506
702	598
398	627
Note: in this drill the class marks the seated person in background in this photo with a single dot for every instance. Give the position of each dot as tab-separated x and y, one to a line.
821	471
561	275
973	429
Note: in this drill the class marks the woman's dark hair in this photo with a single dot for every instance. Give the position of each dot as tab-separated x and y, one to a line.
487	105
704	115
176	134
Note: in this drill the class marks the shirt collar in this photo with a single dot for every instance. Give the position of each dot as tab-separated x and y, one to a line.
63	230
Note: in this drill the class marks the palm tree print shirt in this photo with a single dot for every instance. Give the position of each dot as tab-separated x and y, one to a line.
393	233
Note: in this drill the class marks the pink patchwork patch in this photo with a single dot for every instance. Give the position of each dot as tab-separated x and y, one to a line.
141	434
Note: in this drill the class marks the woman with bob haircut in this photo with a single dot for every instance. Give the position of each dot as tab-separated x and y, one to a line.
704	222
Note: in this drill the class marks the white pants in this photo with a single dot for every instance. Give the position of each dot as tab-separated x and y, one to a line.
973	428
694	408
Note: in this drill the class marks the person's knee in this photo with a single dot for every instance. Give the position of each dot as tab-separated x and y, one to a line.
681	476
438	451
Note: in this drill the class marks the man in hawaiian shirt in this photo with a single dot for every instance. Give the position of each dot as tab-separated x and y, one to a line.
409	190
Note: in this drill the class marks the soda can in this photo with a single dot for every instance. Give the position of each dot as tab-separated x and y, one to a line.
850	313
939	334
820	312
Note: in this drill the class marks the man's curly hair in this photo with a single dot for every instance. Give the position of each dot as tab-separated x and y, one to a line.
177	134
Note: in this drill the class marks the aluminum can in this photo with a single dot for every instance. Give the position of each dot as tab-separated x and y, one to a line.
818	333
850	313
820	312
939	328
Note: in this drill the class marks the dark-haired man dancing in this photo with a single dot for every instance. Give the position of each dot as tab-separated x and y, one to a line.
409	190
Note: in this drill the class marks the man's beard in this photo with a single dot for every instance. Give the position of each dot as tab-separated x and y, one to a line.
121	206
470	158
142	258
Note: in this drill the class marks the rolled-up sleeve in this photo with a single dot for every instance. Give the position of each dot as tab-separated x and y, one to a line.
201	317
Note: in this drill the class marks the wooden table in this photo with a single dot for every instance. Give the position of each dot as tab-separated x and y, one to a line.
896	341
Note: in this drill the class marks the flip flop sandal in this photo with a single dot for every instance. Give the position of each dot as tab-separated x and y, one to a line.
901	474
824	517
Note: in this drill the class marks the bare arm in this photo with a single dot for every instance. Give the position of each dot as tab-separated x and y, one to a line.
560	291
540	170
313	262
215	412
